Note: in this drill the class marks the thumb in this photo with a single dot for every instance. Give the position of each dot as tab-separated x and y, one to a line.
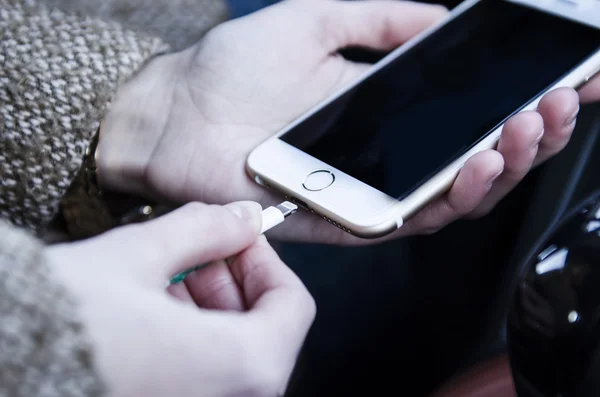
189	236
375	24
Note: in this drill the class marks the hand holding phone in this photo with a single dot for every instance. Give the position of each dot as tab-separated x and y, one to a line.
394	140
251	77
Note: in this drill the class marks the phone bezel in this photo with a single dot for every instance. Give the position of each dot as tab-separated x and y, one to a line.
359	208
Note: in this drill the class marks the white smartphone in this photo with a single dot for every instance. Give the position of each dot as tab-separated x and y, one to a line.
376	152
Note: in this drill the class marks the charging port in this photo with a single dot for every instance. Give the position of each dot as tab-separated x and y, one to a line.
299	203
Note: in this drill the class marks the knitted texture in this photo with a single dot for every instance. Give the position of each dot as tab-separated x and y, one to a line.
58	72
180	23
43	348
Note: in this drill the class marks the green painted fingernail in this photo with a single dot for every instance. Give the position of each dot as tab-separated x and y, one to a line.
177	279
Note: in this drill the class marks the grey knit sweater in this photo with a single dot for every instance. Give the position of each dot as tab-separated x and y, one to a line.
60	63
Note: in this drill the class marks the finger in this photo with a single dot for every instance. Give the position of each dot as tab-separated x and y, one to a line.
214	287
591	91
189	236
281	308
376	24
518	146
180	292
471	186
274	294
559	110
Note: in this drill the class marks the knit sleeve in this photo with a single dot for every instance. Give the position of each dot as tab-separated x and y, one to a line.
58	72
180	23
43	347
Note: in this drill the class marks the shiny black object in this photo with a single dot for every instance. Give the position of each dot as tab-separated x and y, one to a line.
554	321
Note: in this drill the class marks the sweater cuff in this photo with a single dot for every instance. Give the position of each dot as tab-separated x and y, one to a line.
180	23
44	349
58	73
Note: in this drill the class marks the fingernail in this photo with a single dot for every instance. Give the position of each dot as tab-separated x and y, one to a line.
491	181
247	210
571	120
537	140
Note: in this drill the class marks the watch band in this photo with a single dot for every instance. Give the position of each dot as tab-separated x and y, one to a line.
88	211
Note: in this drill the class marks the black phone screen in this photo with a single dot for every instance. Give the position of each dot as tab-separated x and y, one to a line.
403	124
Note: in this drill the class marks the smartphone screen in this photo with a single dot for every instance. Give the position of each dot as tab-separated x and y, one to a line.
409	120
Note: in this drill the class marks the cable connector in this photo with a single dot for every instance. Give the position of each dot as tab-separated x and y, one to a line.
271	217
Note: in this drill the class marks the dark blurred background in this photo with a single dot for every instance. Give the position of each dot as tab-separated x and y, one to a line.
406	315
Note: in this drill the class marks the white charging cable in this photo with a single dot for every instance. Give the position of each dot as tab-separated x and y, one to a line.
271	217
274	216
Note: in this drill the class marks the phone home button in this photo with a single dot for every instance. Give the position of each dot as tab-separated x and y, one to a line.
318	180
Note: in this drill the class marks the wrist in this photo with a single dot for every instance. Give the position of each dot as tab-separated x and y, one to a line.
135	124
88	209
